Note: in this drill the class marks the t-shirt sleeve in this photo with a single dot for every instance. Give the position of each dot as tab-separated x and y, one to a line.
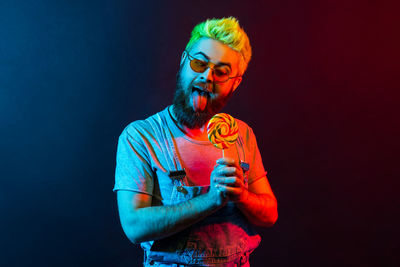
256	170
133	170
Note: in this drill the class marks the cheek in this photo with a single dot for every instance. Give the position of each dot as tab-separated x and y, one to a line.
223	90
187	77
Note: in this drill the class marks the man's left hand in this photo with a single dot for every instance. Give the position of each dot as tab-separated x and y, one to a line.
229	180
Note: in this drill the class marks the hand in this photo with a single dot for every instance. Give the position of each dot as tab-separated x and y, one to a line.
215	191
227	178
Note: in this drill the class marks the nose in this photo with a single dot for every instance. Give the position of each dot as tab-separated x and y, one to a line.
207	75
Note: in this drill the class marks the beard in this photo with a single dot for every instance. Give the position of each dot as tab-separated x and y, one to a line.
185	113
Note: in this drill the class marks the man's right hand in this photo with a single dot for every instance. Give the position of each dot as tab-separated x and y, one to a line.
215	189
227	178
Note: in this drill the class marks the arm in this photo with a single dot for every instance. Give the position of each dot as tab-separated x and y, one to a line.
143	222
139	219
257	203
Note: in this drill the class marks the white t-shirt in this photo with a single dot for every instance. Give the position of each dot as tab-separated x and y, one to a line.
140	155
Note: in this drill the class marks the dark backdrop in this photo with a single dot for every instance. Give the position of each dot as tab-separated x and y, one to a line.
321	94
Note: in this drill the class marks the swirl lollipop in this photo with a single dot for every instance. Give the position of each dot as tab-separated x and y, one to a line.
222	131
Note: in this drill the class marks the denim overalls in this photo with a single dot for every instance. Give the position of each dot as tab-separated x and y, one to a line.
225	238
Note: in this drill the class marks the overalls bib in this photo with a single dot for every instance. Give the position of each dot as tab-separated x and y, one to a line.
224	238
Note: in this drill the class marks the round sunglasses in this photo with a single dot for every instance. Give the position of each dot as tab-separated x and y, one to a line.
220	73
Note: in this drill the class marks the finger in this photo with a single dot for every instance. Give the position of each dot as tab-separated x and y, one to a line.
216	166
230	171
229	181
229	191
226	161
226	181
227	171
232	191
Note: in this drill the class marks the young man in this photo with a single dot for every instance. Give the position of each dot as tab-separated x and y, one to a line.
177	196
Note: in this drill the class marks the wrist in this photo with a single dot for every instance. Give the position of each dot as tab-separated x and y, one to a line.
215	198
244	197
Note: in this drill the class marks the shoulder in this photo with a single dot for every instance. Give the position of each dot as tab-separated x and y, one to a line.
146	128
242	124
135	128
245	130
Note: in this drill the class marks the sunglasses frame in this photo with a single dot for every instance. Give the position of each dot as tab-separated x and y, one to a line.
209	65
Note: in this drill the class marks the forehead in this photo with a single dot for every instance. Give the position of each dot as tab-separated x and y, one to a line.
216	51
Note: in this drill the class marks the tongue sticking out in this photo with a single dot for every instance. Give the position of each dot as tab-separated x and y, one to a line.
199	101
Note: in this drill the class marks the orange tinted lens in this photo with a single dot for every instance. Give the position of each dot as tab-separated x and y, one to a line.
220	74
198	65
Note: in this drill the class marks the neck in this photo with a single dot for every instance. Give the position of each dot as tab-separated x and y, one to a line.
199	134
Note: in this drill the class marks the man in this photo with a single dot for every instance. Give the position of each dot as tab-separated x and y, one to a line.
177	196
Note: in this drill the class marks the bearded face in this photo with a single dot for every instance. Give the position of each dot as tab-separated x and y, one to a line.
200	92
183	109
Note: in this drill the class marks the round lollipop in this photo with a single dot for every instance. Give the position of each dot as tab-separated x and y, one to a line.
222	131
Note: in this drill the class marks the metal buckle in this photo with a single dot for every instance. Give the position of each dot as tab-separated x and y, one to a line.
245	166
177	175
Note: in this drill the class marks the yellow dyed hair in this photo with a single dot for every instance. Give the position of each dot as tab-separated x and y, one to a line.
228	32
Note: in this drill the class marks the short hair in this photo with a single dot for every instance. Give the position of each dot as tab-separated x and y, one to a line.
228	32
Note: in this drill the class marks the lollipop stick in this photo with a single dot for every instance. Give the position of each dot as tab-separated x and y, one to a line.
223	154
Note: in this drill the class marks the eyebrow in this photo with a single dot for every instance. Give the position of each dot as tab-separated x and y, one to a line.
219	63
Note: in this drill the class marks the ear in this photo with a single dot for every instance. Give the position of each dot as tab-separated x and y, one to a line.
183	57
236	83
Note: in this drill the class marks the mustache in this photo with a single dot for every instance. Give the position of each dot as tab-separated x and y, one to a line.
202	86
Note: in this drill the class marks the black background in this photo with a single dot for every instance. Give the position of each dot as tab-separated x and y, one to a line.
321	94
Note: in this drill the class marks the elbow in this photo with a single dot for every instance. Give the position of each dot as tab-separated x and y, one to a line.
133	231
133	238
267	221
273	215
270	218
134	235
